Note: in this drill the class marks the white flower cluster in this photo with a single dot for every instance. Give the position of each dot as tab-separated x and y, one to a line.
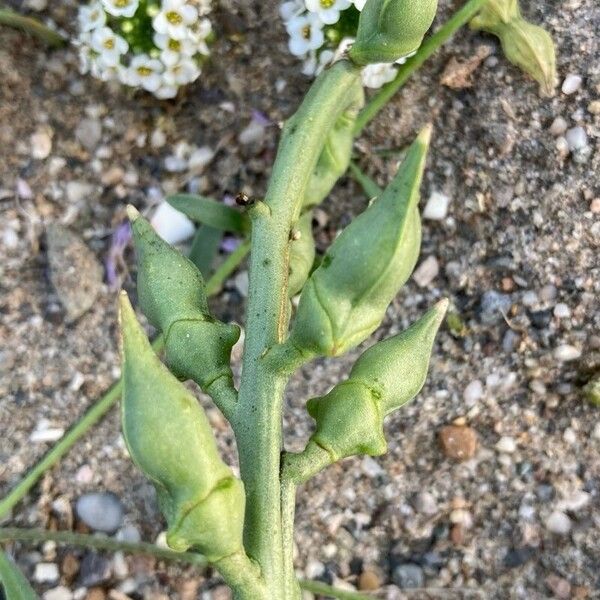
320	32
157	45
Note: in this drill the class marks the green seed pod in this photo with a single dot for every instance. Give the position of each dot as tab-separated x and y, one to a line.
391	29
385	377
345	299
172	296
302	254
526	45
170	439
349	421
396	368
336	154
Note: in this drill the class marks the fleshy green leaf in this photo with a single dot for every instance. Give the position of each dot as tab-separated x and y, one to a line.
14	584
205	247
210	212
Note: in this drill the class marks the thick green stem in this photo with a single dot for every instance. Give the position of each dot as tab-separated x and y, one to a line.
259	424
288	511
105	403
427	49
32	26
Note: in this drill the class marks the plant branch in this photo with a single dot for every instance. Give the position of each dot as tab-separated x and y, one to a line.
317	587
32	26
105	403
427	49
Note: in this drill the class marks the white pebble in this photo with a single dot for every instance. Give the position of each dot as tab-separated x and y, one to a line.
571	83
158	138
473	392
577	138
425	503
200	158
49	434
41	144
242	283
506	444
559	127
59	593
530	298
172	226
46	573
314	568
562	311
569	436
576	501
558	523
565	353
436	208
252	134
463	517
371	467
427	271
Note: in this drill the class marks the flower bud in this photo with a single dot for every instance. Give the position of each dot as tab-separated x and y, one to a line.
385	377
391	29
170	439
302	254
526	45
336	154
172	296
345	299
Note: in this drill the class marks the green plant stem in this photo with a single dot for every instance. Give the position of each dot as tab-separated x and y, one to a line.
259	424
288	511
369	186
105	403
427	49
32	26
100	542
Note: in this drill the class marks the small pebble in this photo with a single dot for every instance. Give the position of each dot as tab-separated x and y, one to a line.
242	283
172	226
314	568
493	304
558	523
506	444
252	134
594	107
49	434
425	503
458	442
408	575
595	206
473	392
371	467
562	311
58	593
518	557
571	83
566	353
559	127
89	133
559	586
436	208
95	569
369	581
577	138
46	573
100	511
41	144
427	271
199	158
575	502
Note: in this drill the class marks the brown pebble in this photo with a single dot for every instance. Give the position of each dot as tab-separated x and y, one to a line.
560	587
458	442
369	581
580	592
70	566
188	589
95	594
457	535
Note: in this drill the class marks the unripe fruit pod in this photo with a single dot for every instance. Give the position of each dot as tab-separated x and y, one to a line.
396	368
302	254
170	287
345	299
171	441
336	154
391	29
349	419
526	45
172	296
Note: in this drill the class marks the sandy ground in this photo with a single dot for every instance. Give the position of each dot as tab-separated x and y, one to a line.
520	518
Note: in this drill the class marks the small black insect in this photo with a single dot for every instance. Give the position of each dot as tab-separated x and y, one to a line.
244	200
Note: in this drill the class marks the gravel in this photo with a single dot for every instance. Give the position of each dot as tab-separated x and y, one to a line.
100	511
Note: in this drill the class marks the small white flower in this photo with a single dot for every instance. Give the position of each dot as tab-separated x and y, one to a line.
172	50
293	8
108	45
121	8
306	34
360	4
314	65
175	18
166	92
185	71
144	72
328	10
376	75
91	16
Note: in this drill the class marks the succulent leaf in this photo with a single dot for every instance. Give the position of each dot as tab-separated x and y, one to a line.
12	582
302	254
